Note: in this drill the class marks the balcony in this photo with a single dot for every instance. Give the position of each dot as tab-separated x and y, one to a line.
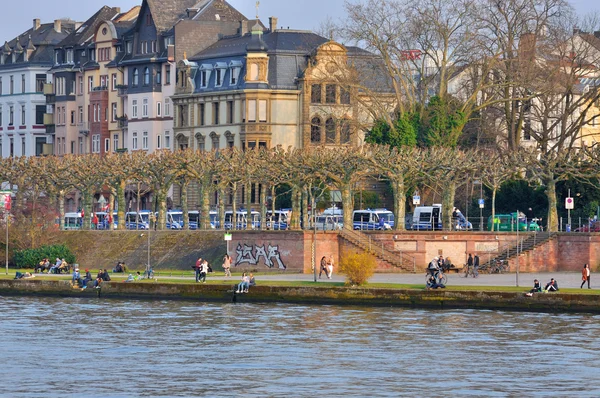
48	89
121	90
122	121
51	129
84	128
48	119
100	88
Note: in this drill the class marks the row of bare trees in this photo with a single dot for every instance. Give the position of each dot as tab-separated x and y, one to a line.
227	171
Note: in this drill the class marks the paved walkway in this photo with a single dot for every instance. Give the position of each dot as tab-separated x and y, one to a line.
564	279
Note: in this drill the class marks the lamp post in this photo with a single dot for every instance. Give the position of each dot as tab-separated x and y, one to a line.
517	275
5	206
151	218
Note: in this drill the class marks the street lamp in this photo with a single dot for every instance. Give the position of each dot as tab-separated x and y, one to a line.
151	218
5	205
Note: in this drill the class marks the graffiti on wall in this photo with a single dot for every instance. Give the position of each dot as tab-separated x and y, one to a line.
252	254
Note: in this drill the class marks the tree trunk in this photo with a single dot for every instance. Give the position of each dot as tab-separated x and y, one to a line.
161	199
204	206
248	204
399	191
552	210
61	209
305	208
447	205
185	211
221	211
295	224
122	205
87	209
494	190
263	207
234	206
348	204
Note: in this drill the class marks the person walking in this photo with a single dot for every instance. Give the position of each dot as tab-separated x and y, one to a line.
330	266
470	265
227	265
197	268
476	266
585	276
323	266
203	271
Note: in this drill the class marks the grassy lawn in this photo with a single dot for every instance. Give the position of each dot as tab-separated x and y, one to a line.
218	278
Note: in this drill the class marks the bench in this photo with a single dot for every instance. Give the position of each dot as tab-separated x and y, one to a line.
456	268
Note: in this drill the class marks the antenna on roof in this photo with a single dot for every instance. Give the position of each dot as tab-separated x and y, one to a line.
257	5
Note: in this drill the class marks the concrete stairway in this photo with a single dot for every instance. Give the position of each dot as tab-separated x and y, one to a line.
529	243
367	244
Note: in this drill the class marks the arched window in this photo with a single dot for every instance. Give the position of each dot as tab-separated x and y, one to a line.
253	72
345	132
135	77
146	76
315	130
330	131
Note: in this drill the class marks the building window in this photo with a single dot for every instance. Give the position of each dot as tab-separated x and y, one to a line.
158	109
107	145
158	141
72	118
182	116
167	75
134	143
113	112
129	46
39	114
330	131
90	83
80	85
22	115
0	85
158	77
167	140
216	112
145	107
330	94
344	96
251	111
81	145
203	79
134	109
40	79
23	84
262	110
12	85
219	75
11	116
215	141
113	79
230	112
315	93
201	114
315	130
345	132
167	107
145	140
96	143
135	79
146	76
236	67
81	114
115	142
23	153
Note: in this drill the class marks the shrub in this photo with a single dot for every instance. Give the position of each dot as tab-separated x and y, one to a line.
29	258
358	267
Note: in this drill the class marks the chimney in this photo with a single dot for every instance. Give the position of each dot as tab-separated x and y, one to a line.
36	24
57	25
272	23
243	27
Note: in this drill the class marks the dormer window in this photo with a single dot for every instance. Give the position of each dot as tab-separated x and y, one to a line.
220	68
69	59
253	72
129	47
135	79
205	71
236	67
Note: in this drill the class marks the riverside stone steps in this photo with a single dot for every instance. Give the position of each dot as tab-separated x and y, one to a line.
365	243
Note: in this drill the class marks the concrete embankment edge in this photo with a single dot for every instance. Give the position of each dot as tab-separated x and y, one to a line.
436	299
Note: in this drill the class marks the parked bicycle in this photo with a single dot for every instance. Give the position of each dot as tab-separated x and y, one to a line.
440	277
470	270
498	266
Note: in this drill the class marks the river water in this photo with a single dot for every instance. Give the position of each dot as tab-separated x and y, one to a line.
54	347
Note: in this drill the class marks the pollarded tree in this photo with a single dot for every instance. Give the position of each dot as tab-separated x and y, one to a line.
118	170
56	173
341	167
448	168
495	168
202	167
86	179
400	166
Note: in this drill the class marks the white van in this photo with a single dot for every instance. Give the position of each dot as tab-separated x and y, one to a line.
242	219
279	220
73	221
427	218
328	222
372	219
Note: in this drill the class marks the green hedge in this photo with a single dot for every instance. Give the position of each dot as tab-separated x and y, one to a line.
29	258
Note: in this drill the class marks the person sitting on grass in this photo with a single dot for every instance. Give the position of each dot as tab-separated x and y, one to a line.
130	278
537	288
138	276
24	275
243	285
432	283
551	286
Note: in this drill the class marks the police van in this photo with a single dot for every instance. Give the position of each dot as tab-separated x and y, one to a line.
427	218
369	220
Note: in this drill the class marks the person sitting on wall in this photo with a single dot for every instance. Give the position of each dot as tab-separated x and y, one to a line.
243	285
251	281
105	276
551	286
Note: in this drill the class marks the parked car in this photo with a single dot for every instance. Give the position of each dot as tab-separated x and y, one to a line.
593	226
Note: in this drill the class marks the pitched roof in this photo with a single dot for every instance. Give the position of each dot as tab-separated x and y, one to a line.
87	30
166	13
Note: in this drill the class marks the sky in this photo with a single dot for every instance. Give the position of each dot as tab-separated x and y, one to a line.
305	14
